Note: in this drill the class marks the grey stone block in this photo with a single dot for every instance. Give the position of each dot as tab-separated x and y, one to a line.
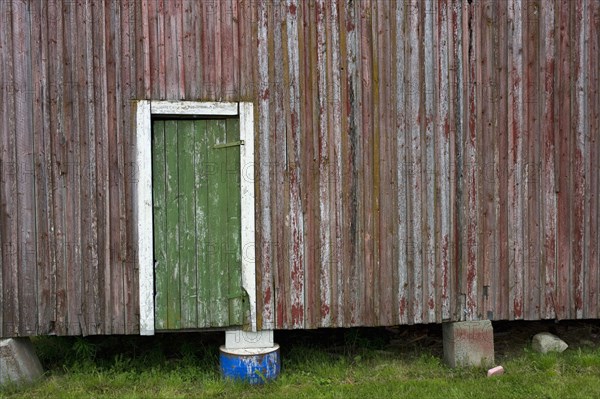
469	343
18	361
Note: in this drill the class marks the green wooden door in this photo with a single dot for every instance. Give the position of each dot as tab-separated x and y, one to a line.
197	231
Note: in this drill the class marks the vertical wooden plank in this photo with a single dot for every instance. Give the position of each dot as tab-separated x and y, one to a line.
25	237
217	223
207	40
172	226
363	158
217	39
338	31
37	211
523	145
278	245
415	165
454	120
172	51
201	173
144	60
246	23
128	254
515	142
82	168
233	86
563	162
187	222
72	174
114	233
442	143
177	19
488	160
45	247
265	236
530	184
579	143
83	64
10	174
159	206
311	152
367	182
307	168
233	245
474	154
593	105
429	168
402	170
344	63
161	43
211	45
190	31
283	293
73	193
458	101
386	215
549	215
325	178
471	255
198	49
296	239
153	54
60	125
588	296
335	160
356	153
4	89
228	64
103	307
500	110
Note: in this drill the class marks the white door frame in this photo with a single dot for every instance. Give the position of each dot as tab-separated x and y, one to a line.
143	194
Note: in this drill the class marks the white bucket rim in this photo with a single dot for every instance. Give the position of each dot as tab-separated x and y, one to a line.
249	351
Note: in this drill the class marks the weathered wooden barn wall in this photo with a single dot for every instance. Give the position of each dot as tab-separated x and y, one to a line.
439	161
417	161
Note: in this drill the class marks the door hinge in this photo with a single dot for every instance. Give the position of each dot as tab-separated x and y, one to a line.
232	144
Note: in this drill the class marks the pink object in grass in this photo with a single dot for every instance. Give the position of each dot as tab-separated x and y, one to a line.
498	370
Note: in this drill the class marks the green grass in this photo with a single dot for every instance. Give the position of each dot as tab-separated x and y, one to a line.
348	364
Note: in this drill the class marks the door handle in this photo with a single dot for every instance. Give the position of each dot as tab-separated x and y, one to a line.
226	145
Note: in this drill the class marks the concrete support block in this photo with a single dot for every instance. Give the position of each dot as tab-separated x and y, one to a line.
238	339
469	343
18	361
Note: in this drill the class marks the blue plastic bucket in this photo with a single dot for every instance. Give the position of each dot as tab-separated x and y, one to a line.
254	365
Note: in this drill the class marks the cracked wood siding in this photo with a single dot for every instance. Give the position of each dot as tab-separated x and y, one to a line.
417	161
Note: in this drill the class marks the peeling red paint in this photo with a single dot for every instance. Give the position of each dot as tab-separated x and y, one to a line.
267	295
265	94
402	308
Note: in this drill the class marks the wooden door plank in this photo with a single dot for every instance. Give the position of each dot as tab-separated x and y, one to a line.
233	237
172	226
187	223
217	189
201	221
160	224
